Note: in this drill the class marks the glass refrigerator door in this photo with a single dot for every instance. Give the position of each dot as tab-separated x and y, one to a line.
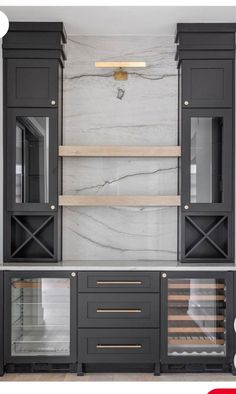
196	317
40	321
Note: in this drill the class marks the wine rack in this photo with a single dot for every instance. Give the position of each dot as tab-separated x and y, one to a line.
196	317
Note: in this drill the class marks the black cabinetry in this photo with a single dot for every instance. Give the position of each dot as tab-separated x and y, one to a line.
205	54
197	321
33	66
207	83
118	321
1	325
40	320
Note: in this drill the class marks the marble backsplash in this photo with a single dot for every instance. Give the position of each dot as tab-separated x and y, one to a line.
101	111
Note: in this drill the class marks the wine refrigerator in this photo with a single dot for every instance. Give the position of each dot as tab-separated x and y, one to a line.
197	317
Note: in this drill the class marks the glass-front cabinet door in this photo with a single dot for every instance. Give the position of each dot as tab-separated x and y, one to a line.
196	315
32	166
41	319
207	160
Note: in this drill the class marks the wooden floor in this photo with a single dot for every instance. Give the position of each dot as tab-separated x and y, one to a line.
117	377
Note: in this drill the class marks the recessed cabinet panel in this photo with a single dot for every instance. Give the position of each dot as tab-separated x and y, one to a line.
32	159
32	83
207	83
207	164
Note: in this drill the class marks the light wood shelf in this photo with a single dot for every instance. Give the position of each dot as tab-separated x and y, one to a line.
195	317
195	329
196	341
196	297
196	286
67	200
119	151
37	285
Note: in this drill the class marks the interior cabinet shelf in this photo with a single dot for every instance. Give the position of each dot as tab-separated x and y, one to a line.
195	317
196	286
195	341
195	329
196	297
119	200
36	285
119	151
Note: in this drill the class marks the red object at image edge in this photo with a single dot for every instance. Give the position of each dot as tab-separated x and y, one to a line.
222	391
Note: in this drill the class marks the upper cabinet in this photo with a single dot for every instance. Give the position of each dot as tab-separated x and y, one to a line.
206	62
32	83
207	83
33	58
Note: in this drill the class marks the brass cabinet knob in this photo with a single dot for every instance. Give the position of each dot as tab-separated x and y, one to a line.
186	207
53	102
73	274
53	207
186	103
164	275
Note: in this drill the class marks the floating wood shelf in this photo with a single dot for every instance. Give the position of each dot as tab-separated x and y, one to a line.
119	200
195	317
119	151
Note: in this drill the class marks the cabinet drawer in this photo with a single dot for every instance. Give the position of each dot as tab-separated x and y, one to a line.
118	310
118	346
109	282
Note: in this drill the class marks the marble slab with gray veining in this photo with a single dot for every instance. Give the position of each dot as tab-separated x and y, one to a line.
119	233
117	176
140	111
101	111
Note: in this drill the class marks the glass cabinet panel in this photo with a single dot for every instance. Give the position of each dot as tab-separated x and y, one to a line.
206	160
32	159
40	317
196	317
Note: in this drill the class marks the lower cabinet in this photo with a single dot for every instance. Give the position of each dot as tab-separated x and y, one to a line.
118	320
39	318
197	320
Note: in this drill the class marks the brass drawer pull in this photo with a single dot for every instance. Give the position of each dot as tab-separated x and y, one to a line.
118	346
119	282
119	310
